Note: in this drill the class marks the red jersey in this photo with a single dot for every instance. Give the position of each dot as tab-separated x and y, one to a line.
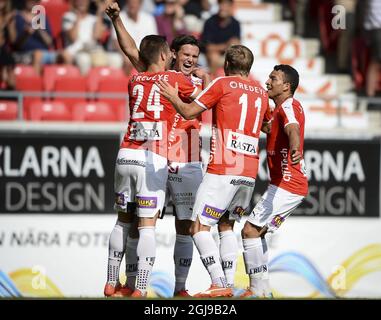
239	107
183	140
283	174
152	115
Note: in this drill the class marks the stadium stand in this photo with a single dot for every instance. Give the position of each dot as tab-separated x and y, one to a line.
48	111
331	100
8	110
94	111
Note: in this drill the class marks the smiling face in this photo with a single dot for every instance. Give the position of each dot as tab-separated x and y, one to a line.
275	84
186	59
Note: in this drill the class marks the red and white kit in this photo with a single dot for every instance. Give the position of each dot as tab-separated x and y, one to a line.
239	107
141	167
288	183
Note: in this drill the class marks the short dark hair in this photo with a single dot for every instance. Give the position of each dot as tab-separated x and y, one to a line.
291	76
240	59
182	40
220	1
151	47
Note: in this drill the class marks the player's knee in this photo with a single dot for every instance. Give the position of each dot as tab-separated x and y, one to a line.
125	217
184	227
225	226
194	228
250	231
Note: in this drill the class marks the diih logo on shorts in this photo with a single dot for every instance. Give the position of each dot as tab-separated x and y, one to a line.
239	211
212	212
277	221
120	199
147	202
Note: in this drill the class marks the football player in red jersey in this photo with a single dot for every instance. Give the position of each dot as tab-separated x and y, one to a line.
185	169
288	180
129	47
239	106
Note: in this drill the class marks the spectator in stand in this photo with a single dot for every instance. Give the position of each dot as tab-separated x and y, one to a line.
33	45
82	35
196	12
220	31
140	24
7	36
346	35
301	10
171	23
372	26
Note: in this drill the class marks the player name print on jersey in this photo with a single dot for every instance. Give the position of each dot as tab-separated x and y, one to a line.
242	143
149	78
247	87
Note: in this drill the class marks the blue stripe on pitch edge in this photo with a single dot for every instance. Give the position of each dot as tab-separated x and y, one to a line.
298	264
7	287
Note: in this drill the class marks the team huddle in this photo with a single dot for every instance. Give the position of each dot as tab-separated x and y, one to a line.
159	158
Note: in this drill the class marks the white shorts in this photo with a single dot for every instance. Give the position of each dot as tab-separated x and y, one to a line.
219	194
274	207
183	182
140	177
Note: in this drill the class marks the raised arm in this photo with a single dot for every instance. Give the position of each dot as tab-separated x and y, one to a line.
126	42
187	110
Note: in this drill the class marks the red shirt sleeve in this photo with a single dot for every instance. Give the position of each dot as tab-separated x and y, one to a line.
209	97
287	114
186	87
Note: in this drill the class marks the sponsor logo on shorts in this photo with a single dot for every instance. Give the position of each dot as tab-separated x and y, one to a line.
238	182
147	202
130	162
277	221
142	131
183	198
175	179
239	211
212	212
207	261
120	199
242	143
262	268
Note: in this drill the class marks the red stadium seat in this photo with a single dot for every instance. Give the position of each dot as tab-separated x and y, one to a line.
31	84
23	70
8	110
96	74
70	84
117	86
49	111
53	72
94	111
